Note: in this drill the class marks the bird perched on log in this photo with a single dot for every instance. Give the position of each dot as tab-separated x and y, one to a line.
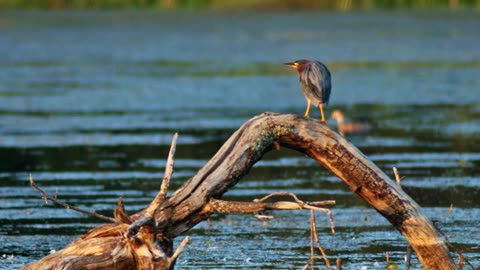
315	83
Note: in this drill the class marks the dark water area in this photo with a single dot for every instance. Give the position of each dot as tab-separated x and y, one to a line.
89	102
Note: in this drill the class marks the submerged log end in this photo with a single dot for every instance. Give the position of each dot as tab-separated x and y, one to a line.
424	239
108	247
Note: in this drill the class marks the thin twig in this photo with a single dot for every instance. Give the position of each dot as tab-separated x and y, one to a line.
180	249
57	202
297	200
263	217
120	214
312	250
314	232
167	176
149	213
306	205
408	258
154	205
326	211
322	203
398	179
397	176
276	194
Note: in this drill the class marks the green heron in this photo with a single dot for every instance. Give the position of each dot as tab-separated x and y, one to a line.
315	83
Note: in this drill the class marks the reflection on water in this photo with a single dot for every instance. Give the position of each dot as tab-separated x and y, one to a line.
89	102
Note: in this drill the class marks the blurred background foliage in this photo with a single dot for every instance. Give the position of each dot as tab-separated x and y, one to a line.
241	4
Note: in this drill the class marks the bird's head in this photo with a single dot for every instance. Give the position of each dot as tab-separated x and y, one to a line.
299	65
338	115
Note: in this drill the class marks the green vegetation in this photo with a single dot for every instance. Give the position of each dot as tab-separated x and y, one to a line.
239	4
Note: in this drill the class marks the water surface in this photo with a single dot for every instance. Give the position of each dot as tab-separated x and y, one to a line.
89	102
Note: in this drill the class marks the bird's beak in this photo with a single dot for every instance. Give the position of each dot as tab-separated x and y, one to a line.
291	64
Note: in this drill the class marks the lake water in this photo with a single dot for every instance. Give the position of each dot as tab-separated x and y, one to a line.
89	102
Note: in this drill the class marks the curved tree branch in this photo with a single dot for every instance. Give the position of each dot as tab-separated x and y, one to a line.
260	134
187	206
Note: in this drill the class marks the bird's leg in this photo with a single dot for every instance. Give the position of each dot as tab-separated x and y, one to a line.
321	112
307	111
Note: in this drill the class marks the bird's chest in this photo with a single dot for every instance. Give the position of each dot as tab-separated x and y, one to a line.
310	94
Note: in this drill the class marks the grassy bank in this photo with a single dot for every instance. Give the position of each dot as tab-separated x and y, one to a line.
239	4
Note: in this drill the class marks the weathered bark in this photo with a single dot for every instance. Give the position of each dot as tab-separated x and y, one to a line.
189	205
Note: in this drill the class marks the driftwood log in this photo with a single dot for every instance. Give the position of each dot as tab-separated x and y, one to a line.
145	240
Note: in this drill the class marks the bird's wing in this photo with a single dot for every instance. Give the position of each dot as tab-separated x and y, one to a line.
317	78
